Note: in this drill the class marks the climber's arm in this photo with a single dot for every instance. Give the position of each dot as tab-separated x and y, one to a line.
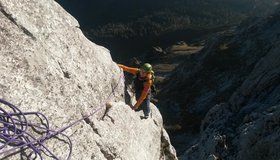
129	69
143	94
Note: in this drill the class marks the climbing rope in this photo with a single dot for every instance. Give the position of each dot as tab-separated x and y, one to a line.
15	136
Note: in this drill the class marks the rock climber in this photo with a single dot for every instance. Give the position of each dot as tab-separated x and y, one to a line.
142	82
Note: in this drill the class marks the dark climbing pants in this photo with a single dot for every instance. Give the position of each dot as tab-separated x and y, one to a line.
145	106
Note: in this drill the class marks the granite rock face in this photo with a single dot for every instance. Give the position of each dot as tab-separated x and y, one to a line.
49	66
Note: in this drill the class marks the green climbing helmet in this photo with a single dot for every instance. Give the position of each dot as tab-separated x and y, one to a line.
147	67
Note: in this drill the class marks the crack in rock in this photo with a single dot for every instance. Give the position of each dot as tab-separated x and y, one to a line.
66	74
13	20
108	154
108	107
88	121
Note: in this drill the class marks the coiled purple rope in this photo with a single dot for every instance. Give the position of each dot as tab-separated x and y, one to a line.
15	138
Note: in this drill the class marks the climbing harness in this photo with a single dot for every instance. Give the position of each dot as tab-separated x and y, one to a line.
15	135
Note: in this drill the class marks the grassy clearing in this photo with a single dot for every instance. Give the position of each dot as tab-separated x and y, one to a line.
183	48
164	67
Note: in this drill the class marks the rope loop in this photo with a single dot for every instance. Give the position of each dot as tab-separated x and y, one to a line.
18	135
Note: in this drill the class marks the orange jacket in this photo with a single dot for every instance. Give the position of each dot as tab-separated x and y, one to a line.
147	85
